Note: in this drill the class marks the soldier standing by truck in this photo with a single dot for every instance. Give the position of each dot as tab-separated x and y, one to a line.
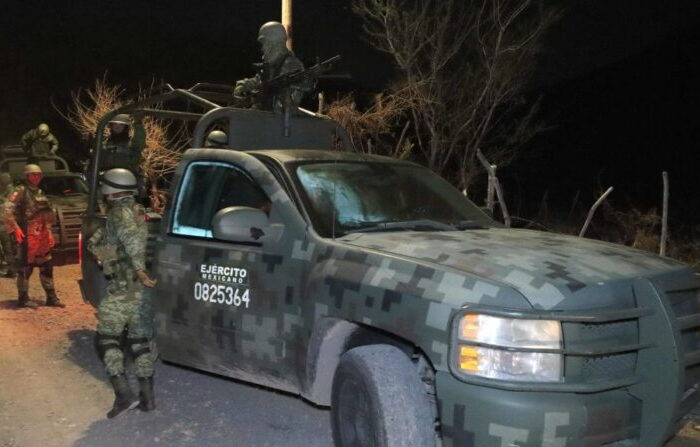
8	258
39	143
120	248
29	216
120	150
277	60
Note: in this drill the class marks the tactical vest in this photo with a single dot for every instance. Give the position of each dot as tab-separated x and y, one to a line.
30	204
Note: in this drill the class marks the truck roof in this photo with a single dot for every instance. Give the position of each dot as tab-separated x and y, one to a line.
294	155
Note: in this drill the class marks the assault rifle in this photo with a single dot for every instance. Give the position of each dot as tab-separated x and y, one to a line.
277	84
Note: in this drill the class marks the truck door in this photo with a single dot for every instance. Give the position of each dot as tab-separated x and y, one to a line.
216	308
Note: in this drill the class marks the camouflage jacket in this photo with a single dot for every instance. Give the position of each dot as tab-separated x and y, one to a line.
120	246
26	204
34	145
125	153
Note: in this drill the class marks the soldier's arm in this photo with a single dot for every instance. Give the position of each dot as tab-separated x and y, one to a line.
131	237
53	144
9	211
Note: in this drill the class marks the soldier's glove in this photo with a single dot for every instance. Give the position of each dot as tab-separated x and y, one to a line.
19	235
145	280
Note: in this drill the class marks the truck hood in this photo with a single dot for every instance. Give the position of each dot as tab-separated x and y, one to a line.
552	271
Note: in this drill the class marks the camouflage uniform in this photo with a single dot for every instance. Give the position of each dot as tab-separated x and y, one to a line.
7	260
35	145
121	249
120	151
29	209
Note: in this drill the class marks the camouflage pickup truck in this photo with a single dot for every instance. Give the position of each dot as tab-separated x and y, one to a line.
372	286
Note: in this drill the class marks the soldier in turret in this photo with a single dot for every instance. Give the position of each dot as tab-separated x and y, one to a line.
29	216
277	60
39	143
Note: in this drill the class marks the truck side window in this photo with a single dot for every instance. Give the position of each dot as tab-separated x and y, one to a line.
208	187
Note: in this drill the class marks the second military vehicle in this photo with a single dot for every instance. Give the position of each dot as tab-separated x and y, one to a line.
373	286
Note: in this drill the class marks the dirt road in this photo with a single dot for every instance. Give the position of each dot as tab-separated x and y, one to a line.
53	391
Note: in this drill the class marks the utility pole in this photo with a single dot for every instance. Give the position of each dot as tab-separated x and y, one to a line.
287	20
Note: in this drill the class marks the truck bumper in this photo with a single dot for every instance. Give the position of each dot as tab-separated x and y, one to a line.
479	416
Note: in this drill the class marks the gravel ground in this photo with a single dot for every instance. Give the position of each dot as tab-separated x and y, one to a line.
53	391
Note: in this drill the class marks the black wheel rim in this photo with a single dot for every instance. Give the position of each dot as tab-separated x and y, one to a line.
354	415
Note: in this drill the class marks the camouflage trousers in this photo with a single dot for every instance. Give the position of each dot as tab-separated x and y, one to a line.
125	325
45	276
25	270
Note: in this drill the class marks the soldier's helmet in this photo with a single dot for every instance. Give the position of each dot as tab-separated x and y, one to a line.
216	138
5	179
43	129
122	118
118	180
32	169
272	32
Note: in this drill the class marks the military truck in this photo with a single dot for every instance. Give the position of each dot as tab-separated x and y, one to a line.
373	286
66	190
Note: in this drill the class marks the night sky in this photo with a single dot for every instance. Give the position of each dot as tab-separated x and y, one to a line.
619	79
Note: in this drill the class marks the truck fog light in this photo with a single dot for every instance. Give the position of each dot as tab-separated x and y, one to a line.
510	365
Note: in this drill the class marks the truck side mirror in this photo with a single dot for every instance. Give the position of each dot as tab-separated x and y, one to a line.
243	224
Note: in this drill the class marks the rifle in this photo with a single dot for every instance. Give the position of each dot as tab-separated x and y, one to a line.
276	84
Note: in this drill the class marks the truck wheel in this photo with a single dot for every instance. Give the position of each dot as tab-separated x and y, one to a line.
378	400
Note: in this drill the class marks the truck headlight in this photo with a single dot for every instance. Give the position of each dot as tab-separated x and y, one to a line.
507	348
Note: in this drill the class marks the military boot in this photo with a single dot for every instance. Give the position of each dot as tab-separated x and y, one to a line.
23	301
124	397
52	299
146	396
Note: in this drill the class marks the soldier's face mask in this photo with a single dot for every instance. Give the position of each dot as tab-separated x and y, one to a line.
117	127
34	178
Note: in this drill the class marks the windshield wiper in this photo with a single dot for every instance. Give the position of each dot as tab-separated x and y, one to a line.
415	225
468	225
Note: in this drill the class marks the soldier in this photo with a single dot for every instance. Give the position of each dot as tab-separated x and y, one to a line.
7	260
29	216
39	143
120	248
119	150
216	139
277	60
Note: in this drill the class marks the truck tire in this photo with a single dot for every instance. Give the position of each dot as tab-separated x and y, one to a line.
378	400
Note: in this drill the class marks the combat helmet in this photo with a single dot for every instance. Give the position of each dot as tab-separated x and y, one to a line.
272	32
118	180
43	129
216	138
32	169
5	179
122	118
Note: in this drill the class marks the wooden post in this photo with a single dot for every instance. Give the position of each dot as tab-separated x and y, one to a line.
321	102
592	211
287	20
496	186
491	189
664	217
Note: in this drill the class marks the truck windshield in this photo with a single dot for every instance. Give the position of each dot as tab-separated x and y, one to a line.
61	186
343	197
